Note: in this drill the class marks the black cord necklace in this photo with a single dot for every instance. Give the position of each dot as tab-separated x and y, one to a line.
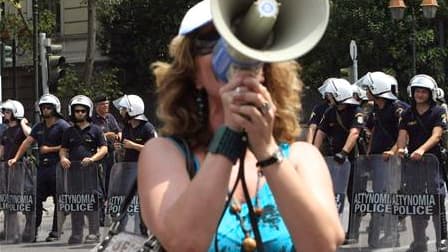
249	244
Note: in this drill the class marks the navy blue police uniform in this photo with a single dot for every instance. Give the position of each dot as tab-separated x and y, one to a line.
11	139
140	134
419	128
82	143
316	116
336	124
107	124
318	112
46	172
385	122
351	117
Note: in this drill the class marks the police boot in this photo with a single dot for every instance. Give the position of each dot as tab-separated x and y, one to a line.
353	229
418	247
419	224
443	245
28	236
374	231
401	226
389	241
52	236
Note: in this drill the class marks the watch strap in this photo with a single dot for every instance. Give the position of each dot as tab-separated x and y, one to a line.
276	157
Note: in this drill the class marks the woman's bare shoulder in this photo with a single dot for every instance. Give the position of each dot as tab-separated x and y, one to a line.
303	150
306	155
160	152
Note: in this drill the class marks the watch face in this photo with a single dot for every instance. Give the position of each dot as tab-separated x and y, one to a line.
278	155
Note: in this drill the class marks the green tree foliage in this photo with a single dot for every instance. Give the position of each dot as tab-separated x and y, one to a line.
136	33
383	44
16	25
104	81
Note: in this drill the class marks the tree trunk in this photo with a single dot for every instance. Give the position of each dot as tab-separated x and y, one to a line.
91	41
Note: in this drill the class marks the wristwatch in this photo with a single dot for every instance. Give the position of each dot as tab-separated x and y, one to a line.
276	157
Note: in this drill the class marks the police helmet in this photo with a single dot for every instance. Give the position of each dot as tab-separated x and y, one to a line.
342	91
80	100
323	88
380	84
363	82
360	92
51	99
18	111
132	103
441	95
423	81
394	83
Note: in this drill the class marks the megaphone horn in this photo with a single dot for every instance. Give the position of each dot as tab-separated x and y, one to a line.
269	30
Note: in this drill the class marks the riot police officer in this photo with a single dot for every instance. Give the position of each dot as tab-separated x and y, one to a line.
85	143
420	130
137	129
48	135
136	132
13	136
318	112
383	125
342	123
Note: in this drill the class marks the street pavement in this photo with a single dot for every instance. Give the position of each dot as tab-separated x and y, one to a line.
62	246
41	245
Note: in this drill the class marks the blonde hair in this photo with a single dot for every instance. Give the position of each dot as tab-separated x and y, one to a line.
176	105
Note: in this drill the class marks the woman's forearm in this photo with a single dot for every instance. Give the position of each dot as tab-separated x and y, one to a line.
193	218
182	213
306	201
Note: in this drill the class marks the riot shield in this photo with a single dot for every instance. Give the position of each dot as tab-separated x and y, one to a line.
398	191
339	176
78	193
20	213
122	177
3	197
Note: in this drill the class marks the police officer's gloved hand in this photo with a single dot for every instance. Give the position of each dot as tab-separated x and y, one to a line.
340	157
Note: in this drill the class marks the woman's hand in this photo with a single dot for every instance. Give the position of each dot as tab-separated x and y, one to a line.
251	108
228	93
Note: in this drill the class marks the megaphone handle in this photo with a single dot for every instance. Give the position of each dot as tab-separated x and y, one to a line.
226	61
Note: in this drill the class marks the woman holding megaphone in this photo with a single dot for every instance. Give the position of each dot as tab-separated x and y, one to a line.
252	186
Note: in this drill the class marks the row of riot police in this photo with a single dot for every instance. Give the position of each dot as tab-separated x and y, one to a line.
73	163
367	118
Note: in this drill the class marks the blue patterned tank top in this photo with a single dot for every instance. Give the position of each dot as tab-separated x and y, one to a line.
272	228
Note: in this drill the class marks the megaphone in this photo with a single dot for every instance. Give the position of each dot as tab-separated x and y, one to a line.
265	31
